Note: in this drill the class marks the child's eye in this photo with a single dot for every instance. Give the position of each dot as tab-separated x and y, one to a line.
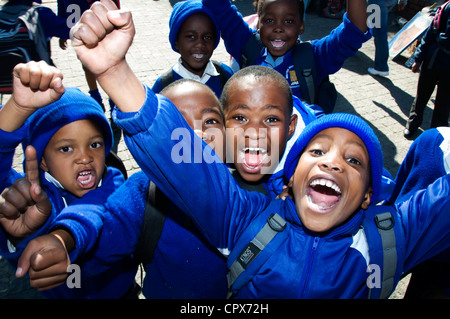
212	122
288	21
353	161
208	38
239	118
96	145
272	119
317	152
65	149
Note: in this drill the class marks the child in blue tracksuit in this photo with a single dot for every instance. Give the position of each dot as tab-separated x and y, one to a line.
194	34
71	138
178	259
427	160
280	24
324	251
324	219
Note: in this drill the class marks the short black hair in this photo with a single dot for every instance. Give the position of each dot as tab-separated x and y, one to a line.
300	3
259	72
183	81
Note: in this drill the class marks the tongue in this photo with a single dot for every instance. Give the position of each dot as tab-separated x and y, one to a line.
322	199
253	159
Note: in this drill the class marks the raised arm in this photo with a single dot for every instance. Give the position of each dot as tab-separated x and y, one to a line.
357	13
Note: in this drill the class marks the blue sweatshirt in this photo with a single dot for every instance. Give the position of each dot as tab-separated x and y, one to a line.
306	265
87	208
330	52
178	269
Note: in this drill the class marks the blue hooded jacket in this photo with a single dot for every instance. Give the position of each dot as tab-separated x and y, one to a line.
37	131
307	264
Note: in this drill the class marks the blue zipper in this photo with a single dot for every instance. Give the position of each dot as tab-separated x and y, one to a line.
307	271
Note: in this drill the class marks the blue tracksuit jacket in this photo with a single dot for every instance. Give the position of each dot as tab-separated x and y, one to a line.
87	213
330	52
306	265
178	269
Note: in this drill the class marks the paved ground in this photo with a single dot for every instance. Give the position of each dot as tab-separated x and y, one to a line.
384	102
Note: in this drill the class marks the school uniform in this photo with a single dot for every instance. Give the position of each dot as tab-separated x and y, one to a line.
184	264
37	131
330	52
306	264
211	77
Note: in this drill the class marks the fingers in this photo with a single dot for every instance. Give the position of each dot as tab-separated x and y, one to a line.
92	27
16	199
102	18
31	165
48	269
46	261
39	76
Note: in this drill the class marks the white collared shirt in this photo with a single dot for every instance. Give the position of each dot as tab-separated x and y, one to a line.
210	70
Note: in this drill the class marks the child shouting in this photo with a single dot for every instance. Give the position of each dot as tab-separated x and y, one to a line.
334	172
274	43
66	138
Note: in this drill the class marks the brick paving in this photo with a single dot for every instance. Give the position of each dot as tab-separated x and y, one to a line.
383	102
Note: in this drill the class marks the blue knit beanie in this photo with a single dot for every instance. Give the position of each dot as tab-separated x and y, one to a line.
351	123
73	105
181	11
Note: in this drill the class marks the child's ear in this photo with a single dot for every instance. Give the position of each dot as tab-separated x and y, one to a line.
301	29
367	197
292	125
44	165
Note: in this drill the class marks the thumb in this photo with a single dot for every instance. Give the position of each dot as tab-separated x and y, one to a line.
58	88
23	264
120	19
43	204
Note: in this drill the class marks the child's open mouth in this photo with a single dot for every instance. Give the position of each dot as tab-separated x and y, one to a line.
86	179
323	194
253	158
278	43
198	56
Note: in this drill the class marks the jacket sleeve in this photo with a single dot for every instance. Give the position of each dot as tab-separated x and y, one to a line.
234	30
342	43
9	141
425	219
187	170
84	217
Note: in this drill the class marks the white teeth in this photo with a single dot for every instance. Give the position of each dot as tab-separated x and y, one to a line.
326	182
85	173
198	55
255	149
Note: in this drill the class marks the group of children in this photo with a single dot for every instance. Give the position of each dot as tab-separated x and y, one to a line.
318	176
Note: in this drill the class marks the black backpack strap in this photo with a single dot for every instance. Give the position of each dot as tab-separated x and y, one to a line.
383	249
154	218
166	78
305	69
252	51
236	280
222	75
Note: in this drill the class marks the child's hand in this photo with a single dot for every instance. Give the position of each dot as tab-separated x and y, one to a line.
46	260
35	85
415	67
25	206
102	37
